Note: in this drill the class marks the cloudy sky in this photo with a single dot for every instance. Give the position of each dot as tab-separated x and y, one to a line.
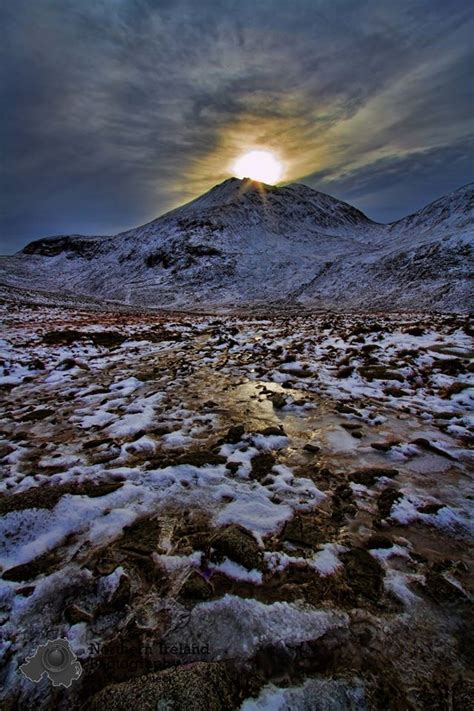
114	111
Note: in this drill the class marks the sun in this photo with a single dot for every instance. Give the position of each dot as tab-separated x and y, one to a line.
258	165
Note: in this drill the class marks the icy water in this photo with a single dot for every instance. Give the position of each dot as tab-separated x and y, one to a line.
238	513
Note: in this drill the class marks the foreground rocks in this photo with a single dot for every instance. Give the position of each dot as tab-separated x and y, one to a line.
290	495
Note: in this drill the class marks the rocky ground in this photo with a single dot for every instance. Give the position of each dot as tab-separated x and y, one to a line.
237	513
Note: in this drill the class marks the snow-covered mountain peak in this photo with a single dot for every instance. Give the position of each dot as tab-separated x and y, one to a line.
250	201
245	243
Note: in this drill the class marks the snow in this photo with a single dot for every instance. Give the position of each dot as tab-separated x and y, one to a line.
130	417
326	561
314	695
233	626
323	251
238	572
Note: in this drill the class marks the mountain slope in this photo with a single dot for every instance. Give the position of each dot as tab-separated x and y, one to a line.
247	243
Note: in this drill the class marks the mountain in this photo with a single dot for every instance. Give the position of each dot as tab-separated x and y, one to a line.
247	243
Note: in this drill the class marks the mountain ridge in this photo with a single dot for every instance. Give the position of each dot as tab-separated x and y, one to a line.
246	243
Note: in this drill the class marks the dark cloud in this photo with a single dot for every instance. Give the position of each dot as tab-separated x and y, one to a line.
116	110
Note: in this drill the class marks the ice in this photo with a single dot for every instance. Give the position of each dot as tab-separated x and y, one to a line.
233	626
314	695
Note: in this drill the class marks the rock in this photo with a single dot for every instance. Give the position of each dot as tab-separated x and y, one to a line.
378	541
195	587
74	614
427	445
39	414
453	389
387	498
395	391
5	450
262	464
345	372
415	330
42	565
442	590
368	476
36	364
278	400
274	430
380	372
312	447
300	372
382	446
305	529
364	574
430	508
201	686
107	455
200	458
450	366
346	409
238	544
234	434
46	497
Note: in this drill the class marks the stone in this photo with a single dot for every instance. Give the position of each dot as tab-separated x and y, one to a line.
75	614
380	372
262	464
278	400
312	447
345	372
234	434
305	529
386	500
368	476
195	587
273	430
200	686
237	544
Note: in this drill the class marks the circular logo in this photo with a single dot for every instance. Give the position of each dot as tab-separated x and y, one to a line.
56	657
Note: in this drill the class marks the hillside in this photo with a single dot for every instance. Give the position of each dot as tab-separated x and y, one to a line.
245	243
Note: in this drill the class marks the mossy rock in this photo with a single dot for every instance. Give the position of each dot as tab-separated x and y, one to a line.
200	458
364	574
202	686
238	544
107	339
306	530
369	475
386	500
380	372
195	587
46	497
262	465
42	565
142	536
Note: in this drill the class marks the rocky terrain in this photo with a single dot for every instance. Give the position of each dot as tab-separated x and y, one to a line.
245	512
249	244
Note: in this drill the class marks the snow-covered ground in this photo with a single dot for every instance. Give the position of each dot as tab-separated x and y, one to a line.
288	500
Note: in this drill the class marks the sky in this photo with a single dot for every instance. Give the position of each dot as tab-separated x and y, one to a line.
115	111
